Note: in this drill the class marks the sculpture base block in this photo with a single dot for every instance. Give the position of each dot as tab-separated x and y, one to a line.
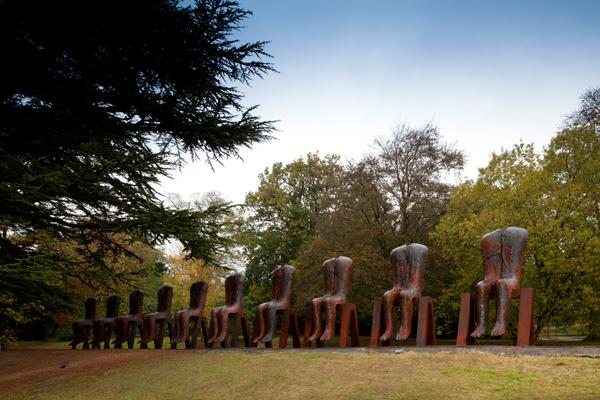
289	324
525	330
425	323
348	325
239	320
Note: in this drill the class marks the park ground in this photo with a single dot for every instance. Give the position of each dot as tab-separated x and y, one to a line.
444	372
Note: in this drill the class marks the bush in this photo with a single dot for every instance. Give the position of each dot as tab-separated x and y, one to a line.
64	334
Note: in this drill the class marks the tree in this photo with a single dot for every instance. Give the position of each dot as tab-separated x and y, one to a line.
412	164
359	223
183	272
499	198
45	315
280	215
98	104
555	196
392	197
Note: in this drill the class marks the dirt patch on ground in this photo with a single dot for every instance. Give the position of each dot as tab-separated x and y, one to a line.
20	368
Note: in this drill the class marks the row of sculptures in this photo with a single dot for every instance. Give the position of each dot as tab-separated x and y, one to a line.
502	250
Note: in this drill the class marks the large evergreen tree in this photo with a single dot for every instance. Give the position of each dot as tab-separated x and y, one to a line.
99	99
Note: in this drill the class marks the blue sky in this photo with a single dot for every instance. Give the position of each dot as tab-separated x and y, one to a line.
489	74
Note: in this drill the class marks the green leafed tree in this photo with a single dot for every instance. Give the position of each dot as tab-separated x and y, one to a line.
556	196
99	100
392	197
280	216
359	223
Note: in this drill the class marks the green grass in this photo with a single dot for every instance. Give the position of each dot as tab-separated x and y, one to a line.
328	375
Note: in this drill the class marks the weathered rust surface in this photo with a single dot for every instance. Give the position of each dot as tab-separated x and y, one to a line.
525	332
194	314
337	273
220	316
161	317
83	328
426	324
408	270
127	324
103	327
376	325
266	316
465	321
503	253
289	325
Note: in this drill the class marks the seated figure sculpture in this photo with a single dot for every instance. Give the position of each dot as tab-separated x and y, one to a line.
408	268
503	253
162	316
281	281
127	324
103	327
234	293
195	314
337	273
83	328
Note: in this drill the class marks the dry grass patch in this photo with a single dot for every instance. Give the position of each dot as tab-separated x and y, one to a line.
331	375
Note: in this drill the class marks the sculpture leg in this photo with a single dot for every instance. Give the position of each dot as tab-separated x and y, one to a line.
316	317
235	328
107	334
76	336
214	325
271	323
406	314
261	323
85	330
482	299
224	326
503	295
131	327
178	332
244	324
193	342
158	339
119	334
389	299
96	339
329	322
141	329
99	330
150	330
204	332
183	329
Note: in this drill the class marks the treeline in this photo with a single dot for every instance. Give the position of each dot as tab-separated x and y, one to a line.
407	189
96	113
319	207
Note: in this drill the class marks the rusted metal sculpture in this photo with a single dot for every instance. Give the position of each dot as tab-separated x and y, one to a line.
103	327
194	314
162	316
337	273
408	269
266	316
83	328
219	316
503	253
127	324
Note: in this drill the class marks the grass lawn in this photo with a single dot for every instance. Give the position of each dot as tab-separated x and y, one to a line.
313	375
